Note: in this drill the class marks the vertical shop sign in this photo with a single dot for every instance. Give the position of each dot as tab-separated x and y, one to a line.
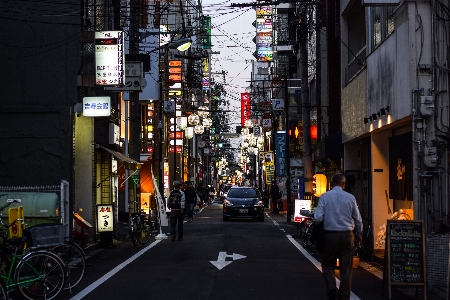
281	154
245	108
109	58
206	38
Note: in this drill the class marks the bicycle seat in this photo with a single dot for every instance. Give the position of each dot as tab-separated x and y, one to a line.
17	241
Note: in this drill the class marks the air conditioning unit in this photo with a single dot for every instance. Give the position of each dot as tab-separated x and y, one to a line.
114	134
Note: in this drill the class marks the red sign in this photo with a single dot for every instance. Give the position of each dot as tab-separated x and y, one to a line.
245	107
179	149
178	135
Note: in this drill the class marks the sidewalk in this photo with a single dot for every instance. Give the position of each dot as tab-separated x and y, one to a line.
374	267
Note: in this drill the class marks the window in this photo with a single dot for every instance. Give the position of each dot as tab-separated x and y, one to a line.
382	24
243	193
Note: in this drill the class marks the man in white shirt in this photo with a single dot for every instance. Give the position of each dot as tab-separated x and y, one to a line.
340	215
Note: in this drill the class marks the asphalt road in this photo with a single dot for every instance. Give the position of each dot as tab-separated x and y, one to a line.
237	259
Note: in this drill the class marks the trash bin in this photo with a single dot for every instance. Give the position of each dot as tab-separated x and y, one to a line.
38	208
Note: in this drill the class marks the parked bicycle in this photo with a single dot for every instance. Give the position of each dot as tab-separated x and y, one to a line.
37	273
141	228
306	229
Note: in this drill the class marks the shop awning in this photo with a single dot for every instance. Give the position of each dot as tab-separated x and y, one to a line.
120	156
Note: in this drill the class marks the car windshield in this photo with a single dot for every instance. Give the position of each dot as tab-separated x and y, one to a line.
242	193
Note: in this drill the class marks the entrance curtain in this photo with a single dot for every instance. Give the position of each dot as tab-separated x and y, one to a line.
400	167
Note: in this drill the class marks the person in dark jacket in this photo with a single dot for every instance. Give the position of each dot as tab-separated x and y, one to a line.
176	203
274	195
201	192
191	200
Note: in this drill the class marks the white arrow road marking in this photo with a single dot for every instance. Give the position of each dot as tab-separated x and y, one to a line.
222	262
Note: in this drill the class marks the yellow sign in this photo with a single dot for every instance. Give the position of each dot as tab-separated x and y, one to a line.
270	171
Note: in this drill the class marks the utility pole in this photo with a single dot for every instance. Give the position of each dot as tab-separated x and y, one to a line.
288	158
134	120
306	105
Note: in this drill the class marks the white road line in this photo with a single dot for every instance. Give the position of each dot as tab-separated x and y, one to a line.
111	273
310	257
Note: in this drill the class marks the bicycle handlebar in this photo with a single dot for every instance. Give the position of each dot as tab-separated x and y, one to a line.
12	223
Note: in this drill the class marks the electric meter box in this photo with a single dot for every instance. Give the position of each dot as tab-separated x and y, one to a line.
38	208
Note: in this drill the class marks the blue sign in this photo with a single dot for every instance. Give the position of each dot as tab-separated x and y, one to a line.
281	157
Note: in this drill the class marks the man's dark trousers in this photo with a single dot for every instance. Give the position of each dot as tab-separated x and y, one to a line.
176	216
341	245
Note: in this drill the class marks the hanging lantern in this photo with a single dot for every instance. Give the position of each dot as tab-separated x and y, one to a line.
199	129
319	184
248	123
189	132
202	111
193	119
207	122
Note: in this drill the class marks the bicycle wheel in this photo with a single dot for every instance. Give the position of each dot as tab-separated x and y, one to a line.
73	257
40	275
133	229
3	292
144	232
310	243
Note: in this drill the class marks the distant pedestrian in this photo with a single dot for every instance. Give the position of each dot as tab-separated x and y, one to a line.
176	203
339	213
275	196
191	200
201	192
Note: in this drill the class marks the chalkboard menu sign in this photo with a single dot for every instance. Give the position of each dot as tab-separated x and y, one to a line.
405	253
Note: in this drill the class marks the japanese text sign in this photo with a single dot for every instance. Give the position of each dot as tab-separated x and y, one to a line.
97	106
105	218
109	58
281	154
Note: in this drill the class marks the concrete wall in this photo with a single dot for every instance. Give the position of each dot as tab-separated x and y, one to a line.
40	59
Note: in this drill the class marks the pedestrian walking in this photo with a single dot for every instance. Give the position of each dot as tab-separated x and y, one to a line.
200	190
340	215
176	203
275	196
191	200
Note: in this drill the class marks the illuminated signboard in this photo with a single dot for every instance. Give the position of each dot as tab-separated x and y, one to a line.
206	83
265	55
105	218
264	33
175	70
179	149
264	39
264	25
264	11
245	108
97	106
164	38
177	135
109	58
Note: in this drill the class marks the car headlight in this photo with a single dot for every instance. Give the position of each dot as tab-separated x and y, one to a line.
259	203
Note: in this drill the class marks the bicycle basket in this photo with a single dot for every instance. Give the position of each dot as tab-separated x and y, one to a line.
45	235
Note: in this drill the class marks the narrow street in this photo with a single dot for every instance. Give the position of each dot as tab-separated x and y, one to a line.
237	259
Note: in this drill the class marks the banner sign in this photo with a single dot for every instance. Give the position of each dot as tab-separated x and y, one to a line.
281	154
245	108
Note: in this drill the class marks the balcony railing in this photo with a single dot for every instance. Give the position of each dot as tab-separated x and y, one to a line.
356	65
